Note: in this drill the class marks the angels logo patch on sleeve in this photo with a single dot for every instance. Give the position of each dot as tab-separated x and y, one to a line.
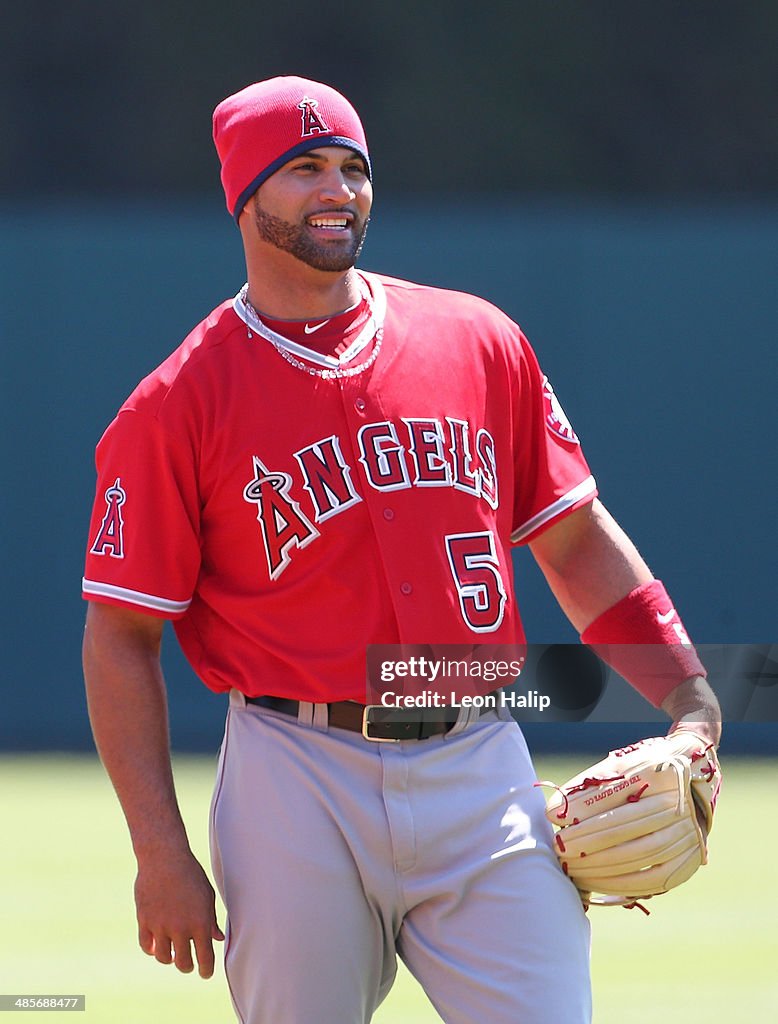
110	536
556	420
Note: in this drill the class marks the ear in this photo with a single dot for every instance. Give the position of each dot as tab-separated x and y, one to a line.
246	220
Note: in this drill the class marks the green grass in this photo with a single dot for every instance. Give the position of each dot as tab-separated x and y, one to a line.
706	953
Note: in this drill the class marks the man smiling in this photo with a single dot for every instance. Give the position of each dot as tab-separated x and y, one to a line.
329	239
335	459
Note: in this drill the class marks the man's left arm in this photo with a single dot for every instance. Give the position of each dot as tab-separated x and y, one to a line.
592	566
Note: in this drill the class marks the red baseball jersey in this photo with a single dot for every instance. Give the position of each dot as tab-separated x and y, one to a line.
286	516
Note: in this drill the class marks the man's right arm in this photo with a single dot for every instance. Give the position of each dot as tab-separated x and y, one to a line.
125	688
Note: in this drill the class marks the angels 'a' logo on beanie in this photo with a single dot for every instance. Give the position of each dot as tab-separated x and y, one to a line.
313	122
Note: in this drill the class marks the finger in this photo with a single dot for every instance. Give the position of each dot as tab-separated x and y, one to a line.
146	941
217	933
183	956
161	949
205	956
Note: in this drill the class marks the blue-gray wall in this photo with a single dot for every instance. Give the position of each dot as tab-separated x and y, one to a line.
656	324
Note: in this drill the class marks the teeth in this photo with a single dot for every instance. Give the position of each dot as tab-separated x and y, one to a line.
329	222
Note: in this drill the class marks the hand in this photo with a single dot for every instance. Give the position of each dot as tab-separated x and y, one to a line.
693	706
176	906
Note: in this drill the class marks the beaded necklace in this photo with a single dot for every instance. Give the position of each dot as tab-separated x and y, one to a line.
330	367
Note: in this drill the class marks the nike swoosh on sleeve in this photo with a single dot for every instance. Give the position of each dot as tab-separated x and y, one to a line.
667	617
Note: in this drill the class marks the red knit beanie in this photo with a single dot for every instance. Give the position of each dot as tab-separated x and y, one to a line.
260	128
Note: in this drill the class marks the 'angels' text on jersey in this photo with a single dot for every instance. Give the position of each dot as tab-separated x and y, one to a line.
421	453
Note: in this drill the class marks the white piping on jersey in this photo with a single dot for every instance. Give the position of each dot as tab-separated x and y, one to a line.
373	292
160	604
582	490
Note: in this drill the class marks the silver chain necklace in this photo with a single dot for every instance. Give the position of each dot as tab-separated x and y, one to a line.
339	371
373	331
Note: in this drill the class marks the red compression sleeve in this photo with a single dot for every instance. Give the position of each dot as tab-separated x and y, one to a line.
643	639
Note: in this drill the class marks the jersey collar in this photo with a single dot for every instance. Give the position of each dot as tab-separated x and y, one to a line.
376	297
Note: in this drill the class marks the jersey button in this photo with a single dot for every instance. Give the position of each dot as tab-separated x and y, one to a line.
406	588
388	514
360	405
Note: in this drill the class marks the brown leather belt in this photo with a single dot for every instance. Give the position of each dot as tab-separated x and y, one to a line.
375	722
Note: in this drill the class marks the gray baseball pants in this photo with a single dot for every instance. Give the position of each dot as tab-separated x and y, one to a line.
334	855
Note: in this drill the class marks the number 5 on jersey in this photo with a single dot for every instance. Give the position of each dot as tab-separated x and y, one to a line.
475	568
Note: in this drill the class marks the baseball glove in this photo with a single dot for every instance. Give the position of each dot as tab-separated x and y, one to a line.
636	824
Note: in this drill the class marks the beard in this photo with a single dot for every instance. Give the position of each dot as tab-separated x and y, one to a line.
295	239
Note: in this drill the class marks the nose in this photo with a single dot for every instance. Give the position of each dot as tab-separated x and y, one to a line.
335	188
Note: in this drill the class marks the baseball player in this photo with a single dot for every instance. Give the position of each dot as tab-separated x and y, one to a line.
335	459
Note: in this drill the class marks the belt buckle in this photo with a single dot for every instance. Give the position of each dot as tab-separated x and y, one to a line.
366	725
